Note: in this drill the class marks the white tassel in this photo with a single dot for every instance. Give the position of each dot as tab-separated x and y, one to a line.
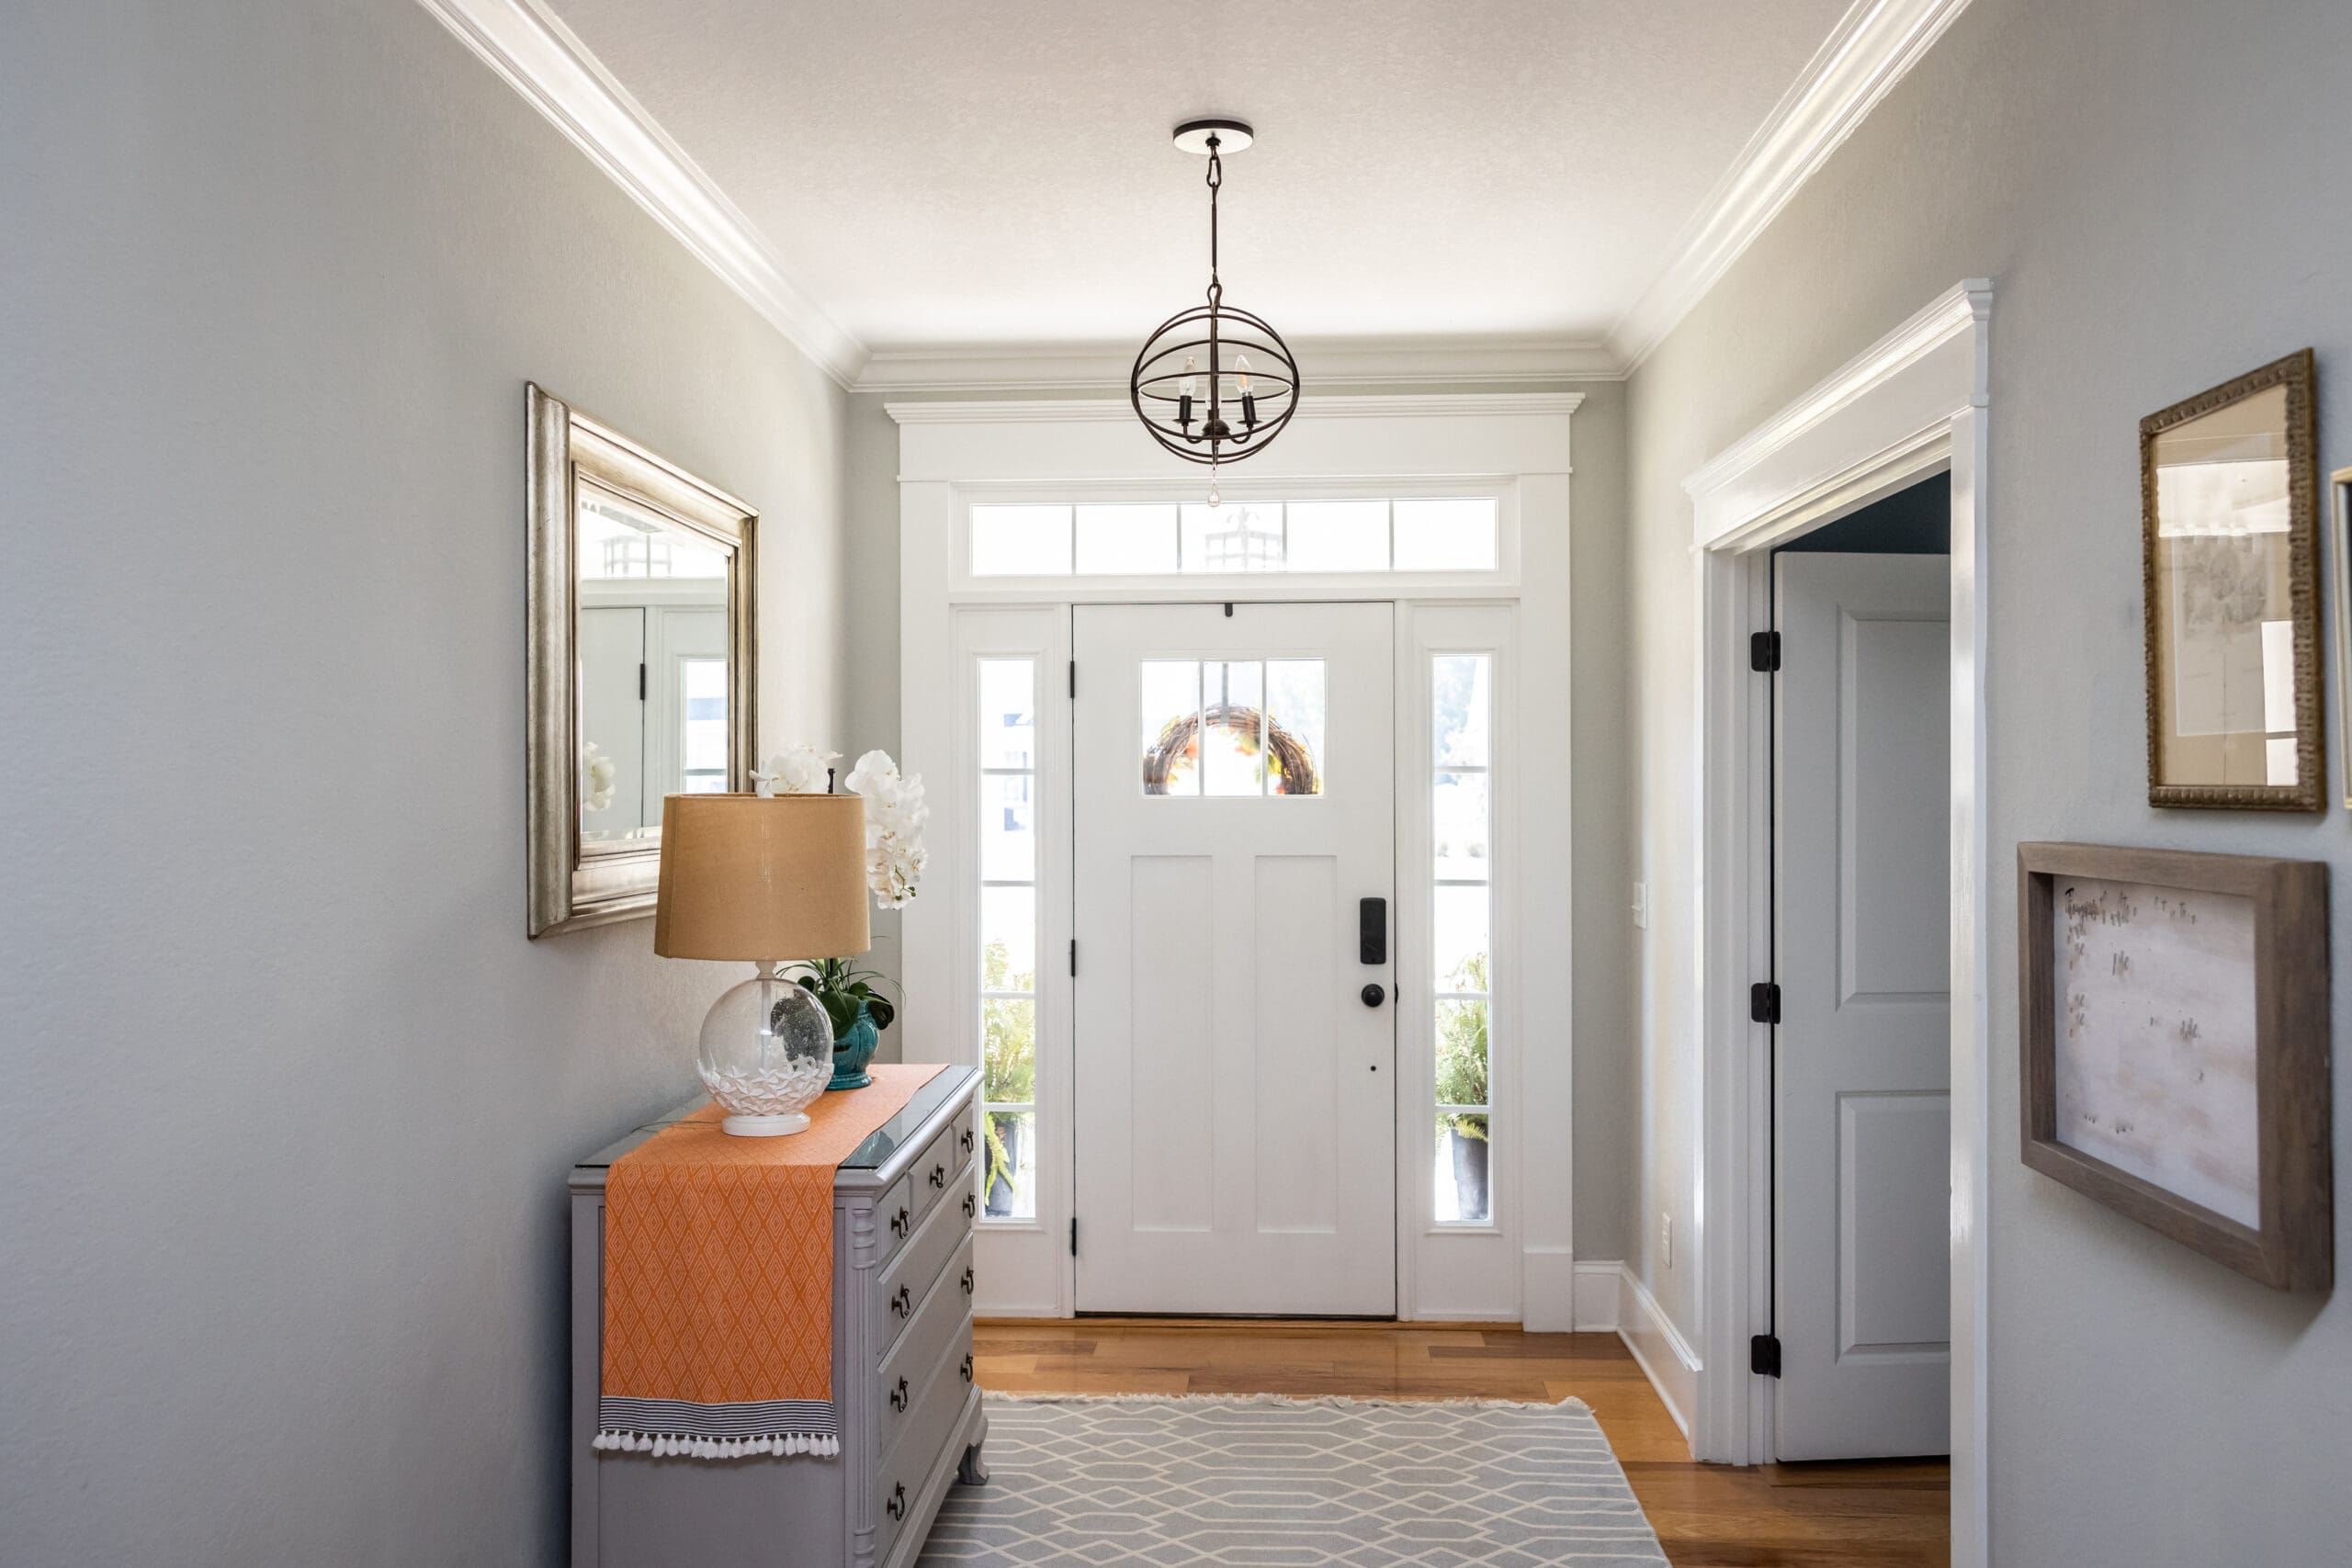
667	1445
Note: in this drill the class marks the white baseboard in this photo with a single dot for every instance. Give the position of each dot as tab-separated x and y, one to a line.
1548	1280
1665	1356
1598	1288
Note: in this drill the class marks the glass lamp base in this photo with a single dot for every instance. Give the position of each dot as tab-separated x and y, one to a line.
765	1127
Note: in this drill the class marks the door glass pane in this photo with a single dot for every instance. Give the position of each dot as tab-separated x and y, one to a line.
1009	1176
1007	713
1021	541
1120	541
702	748
1237	537
1294	726
1463	1169
1009	1033
1338	535
1459	700
1008	828
1008	939
1458	823
1445	535
1233	704
1171	726
1464	938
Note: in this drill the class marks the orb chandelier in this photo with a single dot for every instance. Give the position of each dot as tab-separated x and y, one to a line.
1214	384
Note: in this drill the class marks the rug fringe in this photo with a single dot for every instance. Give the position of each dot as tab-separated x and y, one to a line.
664	1445
1335	1400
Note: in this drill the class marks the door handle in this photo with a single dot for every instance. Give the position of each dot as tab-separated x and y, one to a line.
1372	930
1372	994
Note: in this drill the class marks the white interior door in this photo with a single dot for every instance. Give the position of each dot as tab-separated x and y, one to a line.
1234	802
1862	1124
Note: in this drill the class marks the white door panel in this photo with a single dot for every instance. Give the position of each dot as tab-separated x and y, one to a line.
1235	1110
1862	1112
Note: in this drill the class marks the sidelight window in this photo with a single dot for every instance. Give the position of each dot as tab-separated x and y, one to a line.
1462	909
1009	936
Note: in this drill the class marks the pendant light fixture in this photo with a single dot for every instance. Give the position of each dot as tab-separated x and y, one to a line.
1214	384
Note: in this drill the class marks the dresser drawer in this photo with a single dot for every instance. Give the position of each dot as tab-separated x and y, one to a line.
894	1220
910	1345
935	1173
911	1453
922	1399
937	1233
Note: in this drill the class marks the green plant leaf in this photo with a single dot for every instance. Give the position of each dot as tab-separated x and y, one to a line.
880	1011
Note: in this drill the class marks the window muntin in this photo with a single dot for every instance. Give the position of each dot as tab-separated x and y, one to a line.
1461	926
1165	539
1008	939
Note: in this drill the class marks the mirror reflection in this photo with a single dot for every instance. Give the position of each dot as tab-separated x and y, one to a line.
652	640
2222	574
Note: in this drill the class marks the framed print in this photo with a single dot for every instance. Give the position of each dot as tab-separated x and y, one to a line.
2174	1049
2230	576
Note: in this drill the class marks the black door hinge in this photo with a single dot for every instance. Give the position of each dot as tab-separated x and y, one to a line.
1764	652
640	681
1073	678
1073	957
1764	1355
1073	1235
1764	1002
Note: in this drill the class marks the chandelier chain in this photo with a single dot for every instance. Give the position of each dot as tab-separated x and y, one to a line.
1215	178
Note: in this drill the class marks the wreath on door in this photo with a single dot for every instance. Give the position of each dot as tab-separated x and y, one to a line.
1290	767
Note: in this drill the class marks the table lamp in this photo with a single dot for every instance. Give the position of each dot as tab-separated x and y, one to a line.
766	881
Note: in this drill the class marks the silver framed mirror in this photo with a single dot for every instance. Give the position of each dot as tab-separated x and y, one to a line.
641	659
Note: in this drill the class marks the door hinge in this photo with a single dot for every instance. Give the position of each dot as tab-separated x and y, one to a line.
1764	1355
1764	652
1073	1235
1073	679
1073	958
641	680
1764	1002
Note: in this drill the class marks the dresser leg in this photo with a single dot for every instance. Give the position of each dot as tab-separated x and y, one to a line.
973	1470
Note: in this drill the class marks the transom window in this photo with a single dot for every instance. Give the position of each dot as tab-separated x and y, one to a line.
1169	538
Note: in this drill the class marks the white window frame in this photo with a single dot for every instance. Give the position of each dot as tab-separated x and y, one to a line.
1515	447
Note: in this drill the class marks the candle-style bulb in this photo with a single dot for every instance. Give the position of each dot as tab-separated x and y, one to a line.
1185	385
1241	371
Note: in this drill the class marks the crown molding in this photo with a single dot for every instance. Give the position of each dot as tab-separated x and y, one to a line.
1873	46
541	58
1096	410
1330	363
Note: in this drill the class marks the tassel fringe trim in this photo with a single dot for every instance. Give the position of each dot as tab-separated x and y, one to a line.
664	1445
1324	1401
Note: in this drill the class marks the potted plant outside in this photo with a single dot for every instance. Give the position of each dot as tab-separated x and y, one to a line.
1461	1080
1008	1074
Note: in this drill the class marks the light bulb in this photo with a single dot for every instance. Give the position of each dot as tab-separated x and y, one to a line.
1185	388
1241	371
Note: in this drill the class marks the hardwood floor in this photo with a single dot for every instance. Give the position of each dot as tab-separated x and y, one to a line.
1890	1514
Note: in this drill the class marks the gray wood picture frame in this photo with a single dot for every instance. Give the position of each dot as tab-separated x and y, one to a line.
570	887
2295	374
2292	1247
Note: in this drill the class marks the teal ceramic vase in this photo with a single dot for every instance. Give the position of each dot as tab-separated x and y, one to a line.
852	1048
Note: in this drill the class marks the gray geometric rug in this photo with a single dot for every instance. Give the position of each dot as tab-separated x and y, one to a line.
1270	1483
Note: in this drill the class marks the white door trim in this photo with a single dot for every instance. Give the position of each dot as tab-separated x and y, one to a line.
1914	402
1514	447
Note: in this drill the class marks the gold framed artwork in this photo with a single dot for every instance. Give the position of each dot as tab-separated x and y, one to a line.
2173	1043
2230	575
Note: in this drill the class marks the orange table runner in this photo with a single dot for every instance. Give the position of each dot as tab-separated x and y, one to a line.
718	1281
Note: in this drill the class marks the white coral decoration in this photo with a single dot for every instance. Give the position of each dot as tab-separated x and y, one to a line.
895	813
801	770
600	773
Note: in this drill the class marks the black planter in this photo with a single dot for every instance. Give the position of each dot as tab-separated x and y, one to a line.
1000	1204
1470	1174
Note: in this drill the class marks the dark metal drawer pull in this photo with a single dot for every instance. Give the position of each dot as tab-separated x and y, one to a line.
966	1140
900	1222
967	1369
971	1206
939	1175
967	1282
903	1302
897	1506
899	1396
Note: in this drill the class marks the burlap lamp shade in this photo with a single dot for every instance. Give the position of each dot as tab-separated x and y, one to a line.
759	879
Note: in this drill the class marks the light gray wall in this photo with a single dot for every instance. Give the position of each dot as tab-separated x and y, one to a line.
2150	184
289	1099
1605	1057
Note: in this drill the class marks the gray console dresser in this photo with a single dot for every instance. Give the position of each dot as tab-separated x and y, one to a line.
904	1203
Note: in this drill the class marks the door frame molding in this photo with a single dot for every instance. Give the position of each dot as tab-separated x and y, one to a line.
1515	447
1913	403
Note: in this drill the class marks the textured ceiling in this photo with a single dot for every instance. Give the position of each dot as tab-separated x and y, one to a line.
940	172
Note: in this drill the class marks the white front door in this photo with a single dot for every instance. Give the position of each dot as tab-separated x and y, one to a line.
1234	803
1862	1110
